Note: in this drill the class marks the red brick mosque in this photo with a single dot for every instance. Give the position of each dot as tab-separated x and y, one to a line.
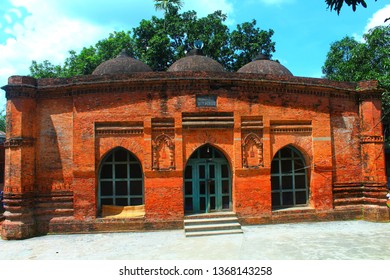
128	149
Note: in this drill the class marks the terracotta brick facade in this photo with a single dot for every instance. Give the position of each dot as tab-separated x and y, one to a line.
59	131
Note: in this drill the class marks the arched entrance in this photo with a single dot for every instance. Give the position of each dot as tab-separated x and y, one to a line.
120	179
289	179
207	182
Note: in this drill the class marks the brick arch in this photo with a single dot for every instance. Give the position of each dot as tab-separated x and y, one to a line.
215	146
305	155
133	146
110	152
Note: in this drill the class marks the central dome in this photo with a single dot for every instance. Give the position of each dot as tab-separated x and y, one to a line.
263	65
122	64
195	61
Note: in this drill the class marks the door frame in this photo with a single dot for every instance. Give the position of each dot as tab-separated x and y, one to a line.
196	193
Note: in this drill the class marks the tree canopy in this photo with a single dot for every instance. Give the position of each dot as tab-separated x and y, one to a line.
161	41
166	5
350	60
336	5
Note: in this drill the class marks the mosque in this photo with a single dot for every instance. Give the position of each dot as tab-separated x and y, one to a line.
129	149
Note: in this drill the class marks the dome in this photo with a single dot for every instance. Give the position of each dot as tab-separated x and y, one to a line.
122	64
263	65
195	61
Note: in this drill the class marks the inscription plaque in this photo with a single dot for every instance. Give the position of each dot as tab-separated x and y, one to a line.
206	101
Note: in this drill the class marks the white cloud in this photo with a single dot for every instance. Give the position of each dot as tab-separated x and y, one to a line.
8	18
44	34
378	18
51	28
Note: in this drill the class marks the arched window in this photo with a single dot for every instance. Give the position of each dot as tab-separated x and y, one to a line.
121	179
289	179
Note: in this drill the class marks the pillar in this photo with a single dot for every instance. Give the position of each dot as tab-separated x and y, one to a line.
19	159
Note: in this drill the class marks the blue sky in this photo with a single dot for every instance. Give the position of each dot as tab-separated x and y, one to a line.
304	29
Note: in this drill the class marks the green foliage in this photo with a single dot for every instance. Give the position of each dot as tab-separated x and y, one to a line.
152	46
161	41
336	5
350	60
45	70
168	5
3	123
247	40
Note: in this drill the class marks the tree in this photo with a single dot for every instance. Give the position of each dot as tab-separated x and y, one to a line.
161	41
167	5
248	40
336	5
45	69
3	123
350	60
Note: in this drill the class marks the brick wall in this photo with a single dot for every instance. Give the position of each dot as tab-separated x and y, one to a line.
68	126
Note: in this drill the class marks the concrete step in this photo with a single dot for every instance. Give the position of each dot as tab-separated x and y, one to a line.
210	215
212	227
211	224
215	232
222	220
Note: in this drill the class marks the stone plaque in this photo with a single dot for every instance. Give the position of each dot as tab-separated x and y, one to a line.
206	101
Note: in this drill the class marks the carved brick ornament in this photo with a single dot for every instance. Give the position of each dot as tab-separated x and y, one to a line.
252	151
364	139
163	153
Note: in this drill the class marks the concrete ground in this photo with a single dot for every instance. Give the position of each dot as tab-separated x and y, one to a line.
347	240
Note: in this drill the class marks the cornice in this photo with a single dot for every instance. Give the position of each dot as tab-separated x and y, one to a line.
188	83
18	91
191	85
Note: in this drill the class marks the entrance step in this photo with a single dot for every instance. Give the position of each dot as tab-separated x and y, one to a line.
211	224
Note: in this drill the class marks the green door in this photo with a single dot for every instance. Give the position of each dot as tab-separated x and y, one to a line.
207	182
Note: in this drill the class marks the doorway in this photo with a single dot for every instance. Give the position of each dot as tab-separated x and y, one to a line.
207	182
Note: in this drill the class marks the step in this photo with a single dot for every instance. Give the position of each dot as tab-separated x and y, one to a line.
223	220
215	232
211	224
210	215
212	227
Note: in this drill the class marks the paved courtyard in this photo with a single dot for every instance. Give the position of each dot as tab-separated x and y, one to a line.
347	240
